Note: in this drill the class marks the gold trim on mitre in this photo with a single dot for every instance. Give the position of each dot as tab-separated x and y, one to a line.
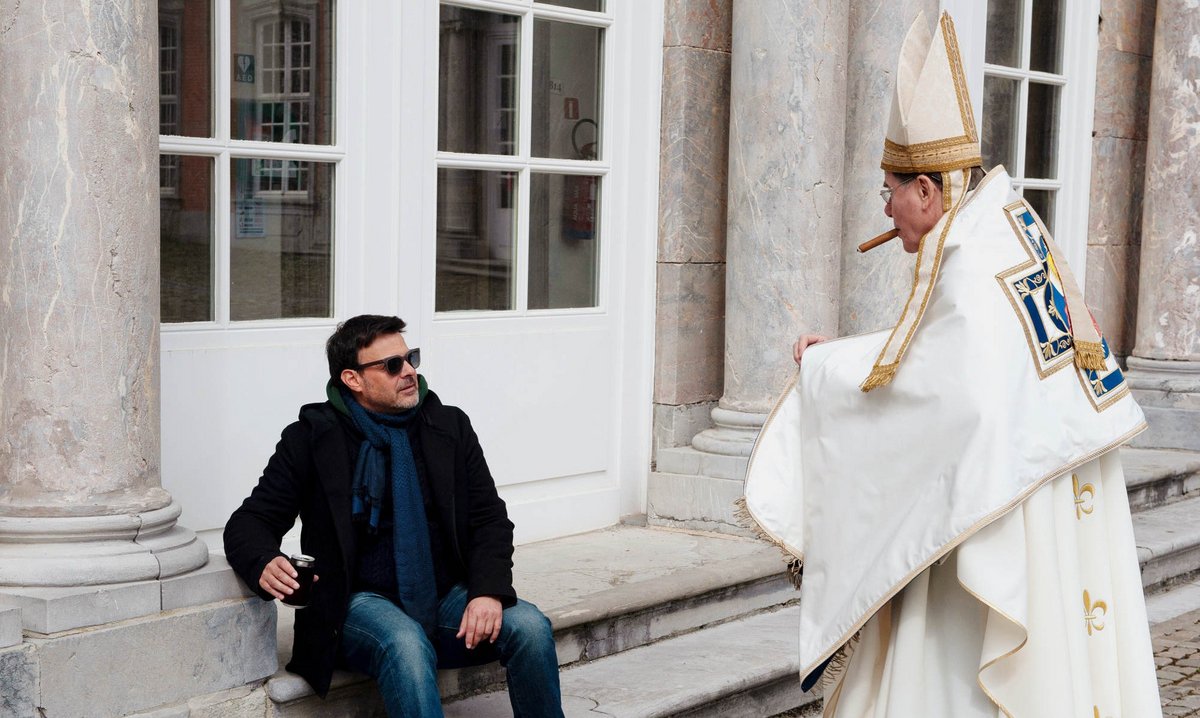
922	135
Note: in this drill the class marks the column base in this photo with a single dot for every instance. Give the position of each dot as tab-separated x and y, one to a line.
94	550
695	486
1169	393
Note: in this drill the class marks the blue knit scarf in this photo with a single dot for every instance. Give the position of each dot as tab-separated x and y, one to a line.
386	443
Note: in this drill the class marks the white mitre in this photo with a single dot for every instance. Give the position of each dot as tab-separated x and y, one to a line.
932	131
925	133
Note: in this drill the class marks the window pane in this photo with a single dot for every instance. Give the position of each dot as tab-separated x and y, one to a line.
1003	43
566	90
999	140
563	241
593	5
282	87
186	237
1041	140
476	224
1045	39
1042	201
185	67
281	239
478	81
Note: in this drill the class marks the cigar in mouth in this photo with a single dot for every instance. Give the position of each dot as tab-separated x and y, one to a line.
881	239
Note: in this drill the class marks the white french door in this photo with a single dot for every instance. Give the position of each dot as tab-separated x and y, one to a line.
484	169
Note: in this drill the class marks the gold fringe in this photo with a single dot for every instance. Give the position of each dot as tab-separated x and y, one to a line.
837	664
881	375
1089	355
795	564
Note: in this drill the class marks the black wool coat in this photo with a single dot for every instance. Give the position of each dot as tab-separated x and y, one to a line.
310	476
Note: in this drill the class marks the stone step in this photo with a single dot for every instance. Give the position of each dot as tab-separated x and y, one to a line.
1176	601
604	591
745	667
1168	543
1156	477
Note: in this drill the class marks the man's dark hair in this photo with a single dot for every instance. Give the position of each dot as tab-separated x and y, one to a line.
977	174
353	334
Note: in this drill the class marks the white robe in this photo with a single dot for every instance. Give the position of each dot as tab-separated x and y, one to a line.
964	459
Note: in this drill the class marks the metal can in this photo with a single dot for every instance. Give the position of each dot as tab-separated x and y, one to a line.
305	566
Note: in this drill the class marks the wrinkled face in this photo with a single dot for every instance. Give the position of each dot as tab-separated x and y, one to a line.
373	387
915	208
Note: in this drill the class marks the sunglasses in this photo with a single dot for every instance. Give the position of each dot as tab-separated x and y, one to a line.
393	365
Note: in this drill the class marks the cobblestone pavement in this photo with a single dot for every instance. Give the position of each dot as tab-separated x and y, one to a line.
1177	655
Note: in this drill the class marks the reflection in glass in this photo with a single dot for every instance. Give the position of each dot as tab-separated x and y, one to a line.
281	239
1045	39
593	5
999	135
478	79
1042	201
1003	43
566	90
185	67
186	238
282	71
1041	134
476	224
564	242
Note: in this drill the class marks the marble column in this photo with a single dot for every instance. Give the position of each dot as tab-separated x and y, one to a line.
786	154
1164	369
874	286
81	500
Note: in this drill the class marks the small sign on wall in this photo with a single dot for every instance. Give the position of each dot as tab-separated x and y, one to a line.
243	68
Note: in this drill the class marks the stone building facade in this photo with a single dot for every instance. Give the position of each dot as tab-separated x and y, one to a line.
771	118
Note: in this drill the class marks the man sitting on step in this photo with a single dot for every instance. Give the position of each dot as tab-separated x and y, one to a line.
412	545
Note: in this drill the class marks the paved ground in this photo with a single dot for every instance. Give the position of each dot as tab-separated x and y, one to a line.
1177	655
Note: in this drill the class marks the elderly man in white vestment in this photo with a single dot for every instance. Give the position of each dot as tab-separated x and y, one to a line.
950	491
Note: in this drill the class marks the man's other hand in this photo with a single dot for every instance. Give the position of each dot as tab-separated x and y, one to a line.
481	620
279	578
804	342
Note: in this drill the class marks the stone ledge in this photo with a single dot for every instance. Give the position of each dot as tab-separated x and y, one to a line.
1155	477
726	665
692	462
155	661
19	679
50	610
10	627
1168	542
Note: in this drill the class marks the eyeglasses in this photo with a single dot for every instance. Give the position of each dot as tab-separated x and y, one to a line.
886	192
393	365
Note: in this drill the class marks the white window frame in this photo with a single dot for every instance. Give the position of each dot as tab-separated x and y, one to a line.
1081	30
169	167
524	164
224	150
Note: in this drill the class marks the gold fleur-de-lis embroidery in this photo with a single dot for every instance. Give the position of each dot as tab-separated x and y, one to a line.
1084	495
1093	613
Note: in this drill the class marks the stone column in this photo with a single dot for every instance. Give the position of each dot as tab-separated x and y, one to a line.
786	142
80	493
1164	369
874	286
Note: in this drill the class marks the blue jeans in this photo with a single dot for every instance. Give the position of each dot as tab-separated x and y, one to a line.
380	640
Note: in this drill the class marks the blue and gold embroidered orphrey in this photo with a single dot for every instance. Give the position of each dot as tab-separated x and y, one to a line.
1037	293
